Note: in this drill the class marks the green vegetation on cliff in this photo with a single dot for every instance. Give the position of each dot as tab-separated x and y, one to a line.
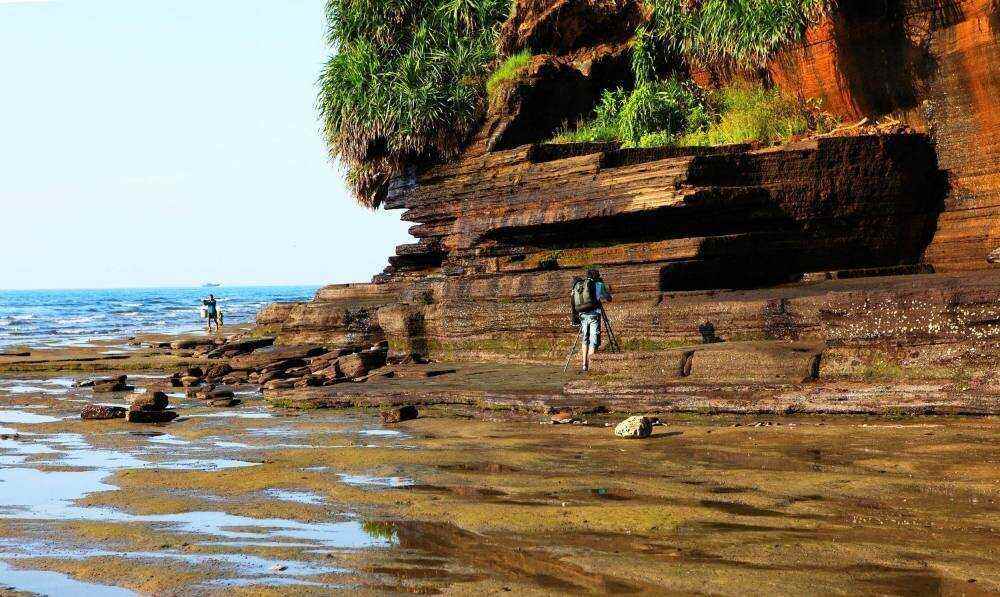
508	70
669	108
671	112
744	33
406	84
409	79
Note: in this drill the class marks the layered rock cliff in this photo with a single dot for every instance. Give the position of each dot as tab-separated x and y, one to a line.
845	241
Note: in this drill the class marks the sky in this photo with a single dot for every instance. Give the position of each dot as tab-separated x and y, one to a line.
172	143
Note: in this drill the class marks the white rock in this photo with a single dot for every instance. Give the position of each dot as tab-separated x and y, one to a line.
635	427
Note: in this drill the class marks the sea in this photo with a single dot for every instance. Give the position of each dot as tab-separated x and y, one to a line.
69	318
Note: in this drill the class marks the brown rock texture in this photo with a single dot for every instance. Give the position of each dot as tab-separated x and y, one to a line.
936	65
801	257
101	412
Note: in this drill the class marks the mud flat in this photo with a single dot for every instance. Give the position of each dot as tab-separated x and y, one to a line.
264	500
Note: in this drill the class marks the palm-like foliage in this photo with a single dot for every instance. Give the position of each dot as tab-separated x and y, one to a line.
741	32
406	84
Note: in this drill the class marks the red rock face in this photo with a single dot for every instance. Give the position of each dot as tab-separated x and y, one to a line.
937	64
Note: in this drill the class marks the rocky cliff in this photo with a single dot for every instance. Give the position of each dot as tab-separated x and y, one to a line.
842	242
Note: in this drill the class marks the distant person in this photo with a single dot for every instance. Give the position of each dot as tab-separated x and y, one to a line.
585	299
210	311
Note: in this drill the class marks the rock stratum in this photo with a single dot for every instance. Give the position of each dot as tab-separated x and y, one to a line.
837	256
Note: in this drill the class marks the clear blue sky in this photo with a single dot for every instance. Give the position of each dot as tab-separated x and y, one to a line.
172	142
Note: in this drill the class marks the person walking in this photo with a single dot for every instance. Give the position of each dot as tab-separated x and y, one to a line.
586	300
210	311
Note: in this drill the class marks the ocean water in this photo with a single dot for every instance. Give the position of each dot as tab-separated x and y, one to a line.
63	318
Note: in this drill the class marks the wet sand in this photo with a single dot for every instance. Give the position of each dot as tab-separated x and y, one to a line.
255	500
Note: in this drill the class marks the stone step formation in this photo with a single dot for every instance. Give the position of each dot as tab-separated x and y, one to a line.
820	242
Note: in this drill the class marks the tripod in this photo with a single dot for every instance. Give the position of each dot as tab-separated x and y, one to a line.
612	341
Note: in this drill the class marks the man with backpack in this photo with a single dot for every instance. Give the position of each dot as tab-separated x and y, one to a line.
585	300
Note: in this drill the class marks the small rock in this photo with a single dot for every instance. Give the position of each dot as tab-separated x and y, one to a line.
111	384
562	417
199	391
150	416
150	401
102	412
635	427
236	378
223	402
219	394
403	413
279	568
352	366
279	384
264	378
190	343
189	380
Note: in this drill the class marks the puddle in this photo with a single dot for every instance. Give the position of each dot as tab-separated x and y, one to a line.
16	416
214	464
301	497
55	584
275	581
370	481
238	415
236	445
490	468
381	432
169	440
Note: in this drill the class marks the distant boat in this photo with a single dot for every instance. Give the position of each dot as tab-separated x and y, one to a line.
210	285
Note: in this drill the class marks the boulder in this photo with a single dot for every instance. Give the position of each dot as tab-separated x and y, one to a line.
189	380
635	427
396	415
149	401
150	416
101	412
111	384
356	365
352	366
195	372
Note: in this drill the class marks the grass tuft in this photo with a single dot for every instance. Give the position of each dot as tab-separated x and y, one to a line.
509	70
758	114
743	33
